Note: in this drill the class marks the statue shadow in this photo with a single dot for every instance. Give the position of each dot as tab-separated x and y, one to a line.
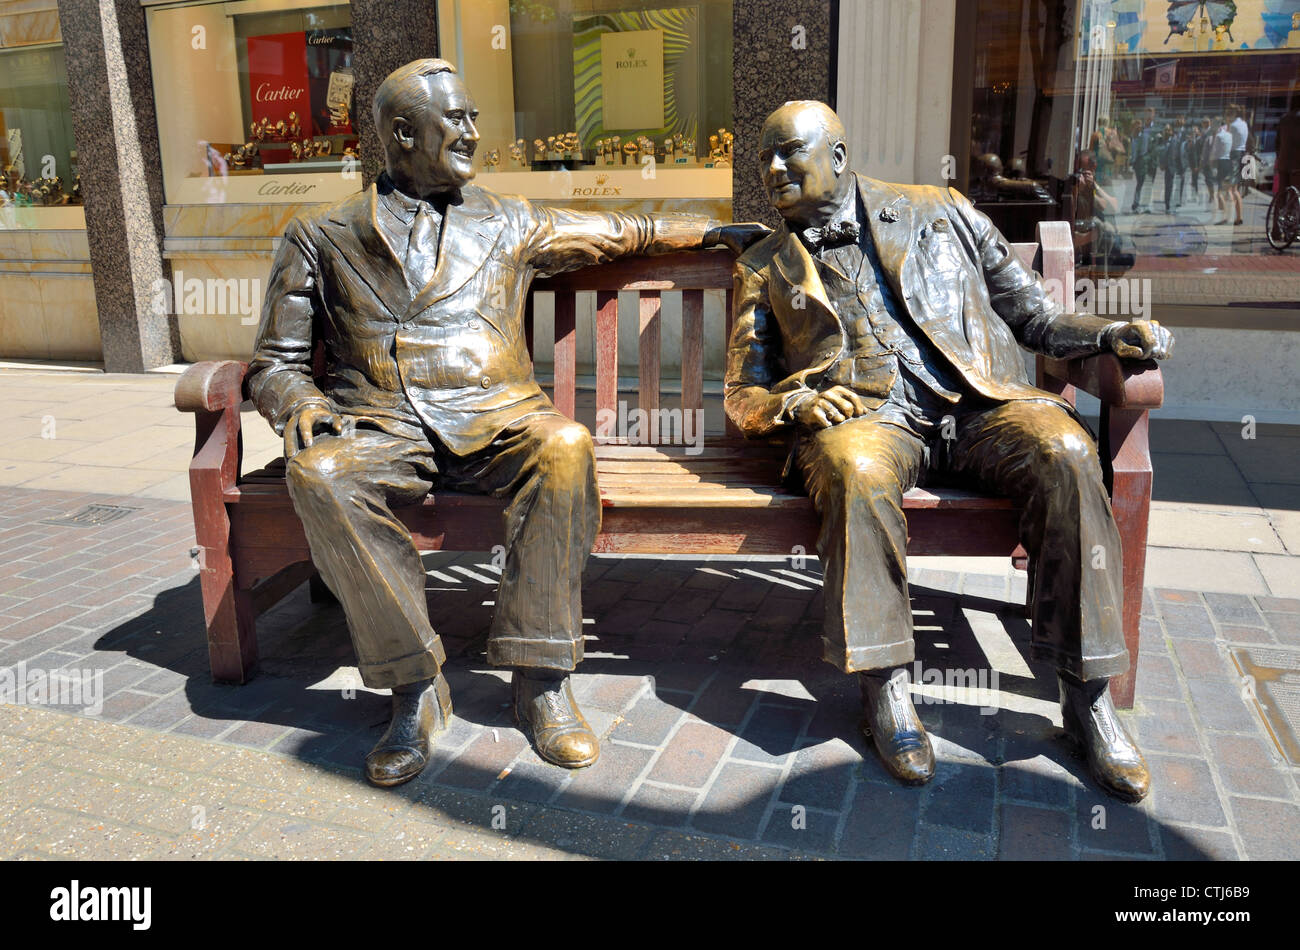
1006	778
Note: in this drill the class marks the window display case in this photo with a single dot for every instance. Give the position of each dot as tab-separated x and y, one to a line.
1161	131
255	101
39	184
616	102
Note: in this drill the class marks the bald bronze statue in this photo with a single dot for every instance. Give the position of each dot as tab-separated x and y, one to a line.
879	328
416	289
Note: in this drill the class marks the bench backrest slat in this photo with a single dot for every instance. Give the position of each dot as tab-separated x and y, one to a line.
692	273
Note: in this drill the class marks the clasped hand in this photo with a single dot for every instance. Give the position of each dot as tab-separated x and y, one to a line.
825	409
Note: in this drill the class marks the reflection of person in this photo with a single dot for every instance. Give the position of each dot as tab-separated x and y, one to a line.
416	289
1096	238
1142	153
879	327
1221	156
1240	133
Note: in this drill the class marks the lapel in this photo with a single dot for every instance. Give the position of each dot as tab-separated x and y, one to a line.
470	230
354	232
799	270
892	239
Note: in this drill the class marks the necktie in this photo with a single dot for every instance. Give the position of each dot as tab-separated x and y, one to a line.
422	250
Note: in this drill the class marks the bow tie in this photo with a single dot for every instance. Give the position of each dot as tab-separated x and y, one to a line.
835	234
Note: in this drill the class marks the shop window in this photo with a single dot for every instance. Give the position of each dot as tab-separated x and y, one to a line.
255	101
1161	131
618	103
39	184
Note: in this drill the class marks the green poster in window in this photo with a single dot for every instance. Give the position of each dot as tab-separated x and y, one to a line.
600	105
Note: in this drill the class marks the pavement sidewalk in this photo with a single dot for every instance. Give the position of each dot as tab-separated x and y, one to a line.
724	735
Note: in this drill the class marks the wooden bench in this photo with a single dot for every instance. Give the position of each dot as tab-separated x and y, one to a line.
658	499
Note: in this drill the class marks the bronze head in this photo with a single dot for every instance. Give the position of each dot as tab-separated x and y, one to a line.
804	162
425	117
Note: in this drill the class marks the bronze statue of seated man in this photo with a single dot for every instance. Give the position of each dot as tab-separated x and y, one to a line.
879	327
415	288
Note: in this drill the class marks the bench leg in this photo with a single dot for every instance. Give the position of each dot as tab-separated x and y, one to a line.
1126	438
228	611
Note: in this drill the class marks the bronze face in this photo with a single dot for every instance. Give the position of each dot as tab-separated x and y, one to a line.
802	161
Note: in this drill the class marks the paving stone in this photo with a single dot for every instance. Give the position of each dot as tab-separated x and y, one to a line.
1199	659
961	796
1220	707
737	801
1151	636
1183	790
530	782
600	787
1248	766
724	703
1259	821
1186	621
478	764
881	823
1282	605
1285	627
1245	634
820	775
1034	834
1235	609
691	756
802	829
1040	780
1185	843
650	720
1166	726
770	735
660	806
1104	823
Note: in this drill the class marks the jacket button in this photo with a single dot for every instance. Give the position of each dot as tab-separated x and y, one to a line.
485	382
474	325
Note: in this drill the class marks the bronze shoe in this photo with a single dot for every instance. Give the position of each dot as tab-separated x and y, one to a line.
1113	758
890	720
545	708
420	712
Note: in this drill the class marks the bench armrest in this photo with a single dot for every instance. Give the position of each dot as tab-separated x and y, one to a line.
1119	384
211	386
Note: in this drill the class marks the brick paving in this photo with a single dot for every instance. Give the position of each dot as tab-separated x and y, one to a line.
724	735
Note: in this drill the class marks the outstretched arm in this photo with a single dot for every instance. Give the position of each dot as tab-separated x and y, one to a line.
1037	321
561	239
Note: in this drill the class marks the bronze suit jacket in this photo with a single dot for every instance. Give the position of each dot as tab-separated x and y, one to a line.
947	265
451	356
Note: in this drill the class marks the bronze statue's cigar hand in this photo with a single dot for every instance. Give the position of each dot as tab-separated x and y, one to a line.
837	404
1143	340
737	237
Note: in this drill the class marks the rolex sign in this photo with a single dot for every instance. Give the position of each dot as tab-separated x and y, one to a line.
632	80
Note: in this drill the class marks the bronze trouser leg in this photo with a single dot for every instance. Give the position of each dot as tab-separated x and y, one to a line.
856	473
547	464
342	487
1043	459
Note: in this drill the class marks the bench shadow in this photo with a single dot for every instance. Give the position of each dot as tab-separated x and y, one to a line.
758	680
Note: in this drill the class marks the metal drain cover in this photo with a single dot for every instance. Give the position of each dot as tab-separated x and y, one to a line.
1273	677
92	516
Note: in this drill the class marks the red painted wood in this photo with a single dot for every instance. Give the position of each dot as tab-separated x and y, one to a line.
607	351
693	355
648	350
566	353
